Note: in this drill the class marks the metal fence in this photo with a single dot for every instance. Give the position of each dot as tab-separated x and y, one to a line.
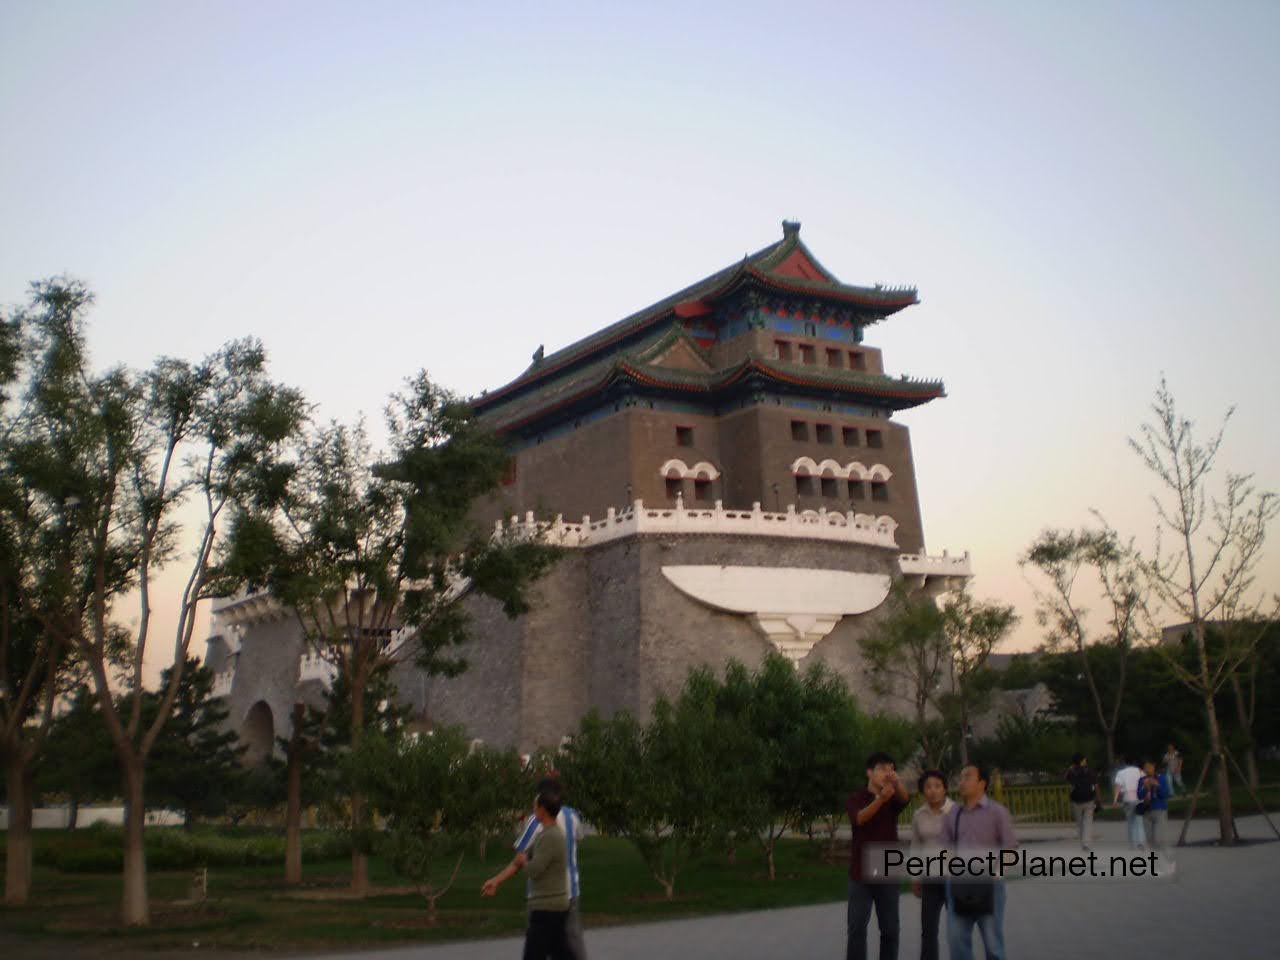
1030	804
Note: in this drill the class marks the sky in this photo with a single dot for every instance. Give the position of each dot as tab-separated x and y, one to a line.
1086	195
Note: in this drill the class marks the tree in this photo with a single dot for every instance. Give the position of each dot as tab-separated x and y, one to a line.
500	787
51	476
648	784
375	555
719	714
1037	745
1061	556
1207	572
907	655
422	786
972	628
197	766
103	465
806	724
78	761
302	743
1244	681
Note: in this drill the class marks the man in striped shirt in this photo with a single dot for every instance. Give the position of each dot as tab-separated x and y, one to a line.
571	823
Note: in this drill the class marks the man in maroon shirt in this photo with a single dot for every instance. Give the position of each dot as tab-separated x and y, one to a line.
873	818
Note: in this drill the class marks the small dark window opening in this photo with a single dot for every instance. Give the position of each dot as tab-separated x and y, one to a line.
799	430
857	360
702	489
829	487
879	490
509	474
806	353
824	433
804	486
857	490
875	438
675	486
849	435
783	349
835	358
684	436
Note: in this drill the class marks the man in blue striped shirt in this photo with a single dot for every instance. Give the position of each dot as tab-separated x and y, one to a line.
571	823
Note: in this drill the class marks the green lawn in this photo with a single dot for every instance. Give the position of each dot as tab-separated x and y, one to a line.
249	906
75	905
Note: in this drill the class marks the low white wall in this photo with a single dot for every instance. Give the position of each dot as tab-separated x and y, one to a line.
57	818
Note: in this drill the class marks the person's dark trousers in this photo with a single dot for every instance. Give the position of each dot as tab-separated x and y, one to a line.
545	937
933	898
884	897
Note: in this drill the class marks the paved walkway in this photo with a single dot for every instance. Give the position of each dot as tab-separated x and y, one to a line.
1222	904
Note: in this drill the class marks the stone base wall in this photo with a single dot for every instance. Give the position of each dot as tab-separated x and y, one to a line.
607	630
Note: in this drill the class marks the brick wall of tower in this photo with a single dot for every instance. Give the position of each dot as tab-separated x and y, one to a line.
764	343
592	468
610	632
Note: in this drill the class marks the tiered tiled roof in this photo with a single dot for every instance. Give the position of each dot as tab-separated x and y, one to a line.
625	350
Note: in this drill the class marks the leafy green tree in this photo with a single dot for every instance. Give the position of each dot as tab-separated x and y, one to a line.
100	466
1261	636
1036	745
1061	557
78	761
807	724
1155	709
908	656
423	786
718	714
646	784
972	629
48	470
501	787
375	553
754	755
197	766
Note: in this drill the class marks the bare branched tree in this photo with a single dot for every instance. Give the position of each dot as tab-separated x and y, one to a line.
1203	566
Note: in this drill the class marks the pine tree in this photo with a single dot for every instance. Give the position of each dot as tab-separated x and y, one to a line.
196	766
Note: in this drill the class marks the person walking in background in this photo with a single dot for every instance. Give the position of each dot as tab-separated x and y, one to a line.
1084	794
1153	794
976	823
571	823
926	840
1127	779
548	895
873	818
1173	768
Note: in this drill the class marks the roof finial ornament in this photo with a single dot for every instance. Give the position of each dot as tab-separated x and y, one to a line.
790	228
538	355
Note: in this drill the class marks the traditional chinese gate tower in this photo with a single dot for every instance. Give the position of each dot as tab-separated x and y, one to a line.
729	479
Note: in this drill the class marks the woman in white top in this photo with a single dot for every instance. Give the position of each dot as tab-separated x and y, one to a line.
926	838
